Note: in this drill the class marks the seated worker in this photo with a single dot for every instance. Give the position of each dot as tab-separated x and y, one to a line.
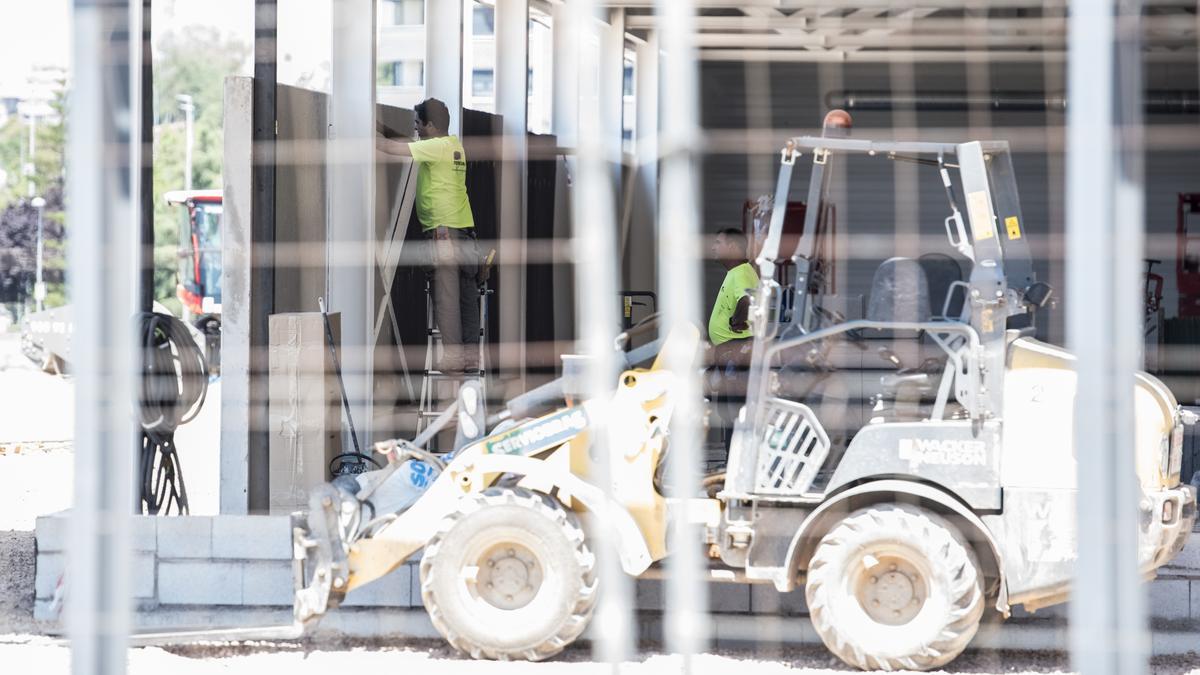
445	215
729	326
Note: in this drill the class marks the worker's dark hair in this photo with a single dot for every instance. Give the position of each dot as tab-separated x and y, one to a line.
735	235
434	112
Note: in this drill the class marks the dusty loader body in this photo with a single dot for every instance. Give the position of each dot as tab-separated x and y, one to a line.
913	467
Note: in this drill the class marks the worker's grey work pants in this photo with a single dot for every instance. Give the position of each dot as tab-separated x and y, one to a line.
455	270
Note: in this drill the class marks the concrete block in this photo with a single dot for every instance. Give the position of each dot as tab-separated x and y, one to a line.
648	594
1188	560
185	537
51	532
764	599
44	611
145	533
393	590
726	598
252	537
50	567
144	576
1170	599
414	572
390	623
199	582
164	619
267	584
651	594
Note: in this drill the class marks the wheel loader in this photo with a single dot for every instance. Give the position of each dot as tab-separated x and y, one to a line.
909	462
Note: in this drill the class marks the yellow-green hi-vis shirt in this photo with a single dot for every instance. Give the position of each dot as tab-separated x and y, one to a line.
738	282
441	183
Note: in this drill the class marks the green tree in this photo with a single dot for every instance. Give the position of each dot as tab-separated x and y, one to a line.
18	217
49	151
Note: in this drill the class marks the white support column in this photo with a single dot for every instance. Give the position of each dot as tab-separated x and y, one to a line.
512	95
564	123
237	247
612	86
444	57
102	220
642	242
1104	244
350	227
565	111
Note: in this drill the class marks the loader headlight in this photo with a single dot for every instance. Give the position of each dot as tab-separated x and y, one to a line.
1168	512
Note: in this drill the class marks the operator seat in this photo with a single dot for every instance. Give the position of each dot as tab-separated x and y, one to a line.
941	273
902	365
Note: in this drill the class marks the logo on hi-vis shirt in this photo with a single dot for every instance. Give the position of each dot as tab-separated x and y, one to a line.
459	164
539	435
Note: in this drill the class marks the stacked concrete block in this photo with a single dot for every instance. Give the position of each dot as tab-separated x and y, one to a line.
50	581
651	594
237	570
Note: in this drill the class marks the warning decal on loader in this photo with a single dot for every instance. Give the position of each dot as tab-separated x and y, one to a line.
1013	226
540	434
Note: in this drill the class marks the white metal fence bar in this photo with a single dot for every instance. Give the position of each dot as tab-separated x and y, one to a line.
594	250
103	181
679	283
1104	241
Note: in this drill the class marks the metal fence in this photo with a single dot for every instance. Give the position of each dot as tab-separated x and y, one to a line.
712	85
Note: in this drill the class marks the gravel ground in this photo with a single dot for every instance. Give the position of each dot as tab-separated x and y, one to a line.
434	659
16	582
431	658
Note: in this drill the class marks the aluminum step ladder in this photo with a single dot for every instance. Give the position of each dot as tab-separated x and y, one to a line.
439	389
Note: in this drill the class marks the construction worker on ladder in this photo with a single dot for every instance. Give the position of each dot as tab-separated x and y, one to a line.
445	214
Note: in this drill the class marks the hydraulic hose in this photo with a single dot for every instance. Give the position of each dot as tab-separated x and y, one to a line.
171	391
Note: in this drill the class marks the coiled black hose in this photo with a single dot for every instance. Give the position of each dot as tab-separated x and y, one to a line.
172	389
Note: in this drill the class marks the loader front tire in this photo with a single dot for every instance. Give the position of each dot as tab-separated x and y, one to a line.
894	587
508	576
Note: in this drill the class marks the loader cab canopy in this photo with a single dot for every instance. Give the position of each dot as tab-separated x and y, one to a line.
982	223
918	336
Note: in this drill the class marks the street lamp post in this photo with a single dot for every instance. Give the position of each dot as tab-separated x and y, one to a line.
189	109
39	288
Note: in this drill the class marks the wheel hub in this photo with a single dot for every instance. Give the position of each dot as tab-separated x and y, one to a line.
890	590
509	576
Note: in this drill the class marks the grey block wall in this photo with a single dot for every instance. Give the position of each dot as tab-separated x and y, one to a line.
236	570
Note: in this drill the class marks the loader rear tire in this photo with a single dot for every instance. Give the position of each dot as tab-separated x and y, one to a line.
508	576
894	587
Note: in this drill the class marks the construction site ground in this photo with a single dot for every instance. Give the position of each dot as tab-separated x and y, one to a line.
36	468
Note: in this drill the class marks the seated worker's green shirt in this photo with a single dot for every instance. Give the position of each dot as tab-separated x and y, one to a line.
441	183
738	282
